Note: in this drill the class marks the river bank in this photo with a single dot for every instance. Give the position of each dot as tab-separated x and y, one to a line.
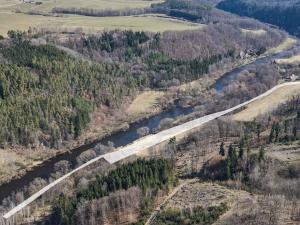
113	124
121	132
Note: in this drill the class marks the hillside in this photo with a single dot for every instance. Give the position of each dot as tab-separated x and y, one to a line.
284	14
131	112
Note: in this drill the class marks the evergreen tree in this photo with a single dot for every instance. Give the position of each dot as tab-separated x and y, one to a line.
272	133
261	154
241	149
231	161
277	131
222	149
228	168
258	131
295	132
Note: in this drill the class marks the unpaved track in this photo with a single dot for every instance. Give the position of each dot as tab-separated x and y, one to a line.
143	144
153	216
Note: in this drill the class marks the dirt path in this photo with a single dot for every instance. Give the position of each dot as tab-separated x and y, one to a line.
153	216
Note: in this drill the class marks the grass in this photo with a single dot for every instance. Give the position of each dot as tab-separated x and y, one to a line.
8	3
259	32
48	5
144	102
284	153
267	104
286	44
289	61
92	24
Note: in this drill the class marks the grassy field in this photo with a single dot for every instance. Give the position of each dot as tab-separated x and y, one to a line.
48	5
144	102
286	44
259	32
92	24
292	60
10	20
267	104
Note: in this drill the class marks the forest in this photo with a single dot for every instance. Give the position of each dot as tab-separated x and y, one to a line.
284	14
147	175
45	90
62	90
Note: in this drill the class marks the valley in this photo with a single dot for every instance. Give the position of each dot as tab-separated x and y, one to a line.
147	112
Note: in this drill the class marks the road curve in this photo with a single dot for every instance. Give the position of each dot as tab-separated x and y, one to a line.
143	144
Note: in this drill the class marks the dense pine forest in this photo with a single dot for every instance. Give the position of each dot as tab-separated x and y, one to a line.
284	14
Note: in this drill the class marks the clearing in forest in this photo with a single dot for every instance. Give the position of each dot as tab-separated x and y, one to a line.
259	32
144	102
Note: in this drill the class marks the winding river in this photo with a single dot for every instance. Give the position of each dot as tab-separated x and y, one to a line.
123	137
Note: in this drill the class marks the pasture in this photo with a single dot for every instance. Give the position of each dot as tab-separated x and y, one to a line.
153	23
48	5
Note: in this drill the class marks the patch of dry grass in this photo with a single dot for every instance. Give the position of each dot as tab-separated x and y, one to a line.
284	153
286	44
267	104
145	102
292	60
259	32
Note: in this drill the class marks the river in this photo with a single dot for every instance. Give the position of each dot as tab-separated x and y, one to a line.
122	138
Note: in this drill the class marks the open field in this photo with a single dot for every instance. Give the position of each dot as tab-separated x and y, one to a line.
48	5
267	104
292	60
286	44
92	24
259	32
144	102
